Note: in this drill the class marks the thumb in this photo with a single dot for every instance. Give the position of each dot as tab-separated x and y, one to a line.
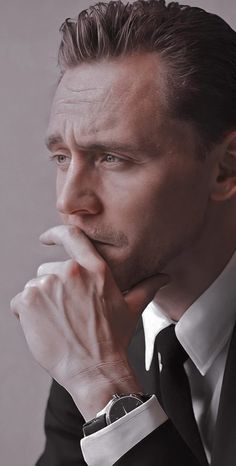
143	293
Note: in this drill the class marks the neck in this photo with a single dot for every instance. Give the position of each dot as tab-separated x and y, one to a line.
194	271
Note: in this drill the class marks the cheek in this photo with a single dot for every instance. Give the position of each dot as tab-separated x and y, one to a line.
59	189
163	208
59	183
179	213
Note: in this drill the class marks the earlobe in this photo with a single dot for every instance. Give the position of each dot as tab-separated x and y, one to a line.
224	187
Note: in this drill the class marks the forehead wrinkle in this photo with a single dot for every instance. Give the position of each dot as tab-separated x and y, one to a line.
76	96
91	122
110	110
83	127
74	103
90	90
83	90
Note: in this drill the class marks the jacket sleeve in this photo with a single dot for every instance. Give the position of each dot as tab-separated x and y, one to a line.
63	429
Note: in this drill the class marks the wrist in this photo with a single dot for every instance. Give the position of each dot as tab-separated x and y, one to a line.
92	393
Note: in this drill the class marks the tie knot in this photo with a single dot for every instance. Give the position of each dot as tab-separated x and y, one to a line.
171	351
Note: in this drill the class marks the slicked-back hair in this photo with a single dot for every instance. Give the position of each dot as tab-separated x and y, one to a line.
198	49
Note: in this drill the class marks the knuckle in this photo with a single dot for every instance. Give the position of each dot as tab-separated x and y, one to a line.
30	295
44	268
48	281
40	270
15	303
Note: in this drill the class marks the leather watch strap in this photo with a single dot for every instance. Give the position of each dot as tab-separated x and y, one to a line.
94	425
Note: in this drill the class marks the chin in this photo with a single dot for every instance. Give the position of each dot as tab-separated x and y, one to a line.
126	272
126	279
120	272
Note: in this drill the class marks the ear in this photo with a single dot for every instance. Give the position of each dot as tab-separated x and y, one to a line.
224	186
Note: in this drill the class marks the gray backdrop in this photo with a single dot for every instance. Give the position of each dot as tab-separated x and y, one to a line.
28	56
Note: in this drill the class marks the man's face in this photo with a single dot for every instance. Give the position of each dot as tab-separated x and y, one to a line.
127	174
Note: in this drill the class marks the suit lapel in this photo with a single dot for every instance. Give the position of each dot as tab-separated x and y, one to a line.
224	450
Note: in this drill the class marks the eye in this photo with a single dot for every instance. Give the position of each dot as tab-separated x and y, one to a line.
60	159
110	158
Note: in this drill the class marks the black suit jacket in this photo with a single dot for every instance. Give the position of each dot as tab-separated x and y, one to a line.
164	446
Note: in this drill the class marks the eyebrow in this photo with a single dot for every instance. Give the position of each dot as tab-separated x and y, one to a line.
54	140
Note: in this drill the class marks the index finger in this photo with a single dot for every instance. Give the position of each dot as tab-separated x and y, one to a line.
75	243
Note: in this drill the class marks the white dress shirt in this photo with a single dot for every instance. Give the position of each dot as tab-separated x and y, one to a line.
204	331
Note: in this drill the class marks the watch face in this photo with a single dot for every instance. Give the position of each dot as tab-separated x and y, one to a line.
122	406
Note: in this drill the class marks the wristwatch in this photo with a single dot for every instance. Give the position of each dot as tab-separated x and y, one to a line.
116	408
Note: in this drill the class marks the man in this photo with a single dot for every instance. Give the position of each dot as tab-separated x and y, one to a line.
142	132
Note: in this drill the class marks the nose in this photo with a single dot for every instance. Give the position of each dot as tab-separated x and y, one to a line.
76	192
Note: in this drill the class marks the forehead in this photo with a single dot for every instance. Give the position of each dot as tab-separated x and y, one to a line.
124	95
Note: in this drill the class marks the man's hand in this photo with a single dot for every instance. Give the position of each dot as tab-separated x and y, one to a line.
78	324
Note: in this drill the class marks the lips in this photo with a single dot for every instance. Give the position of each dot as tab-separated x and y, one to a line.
99	240
99	243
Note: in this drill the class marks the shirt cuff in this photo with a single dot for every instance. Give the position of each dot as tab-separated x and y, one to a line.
107	445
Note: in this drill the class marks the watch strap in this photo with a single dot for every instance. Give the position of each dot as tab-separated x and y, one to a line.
100	421
94	425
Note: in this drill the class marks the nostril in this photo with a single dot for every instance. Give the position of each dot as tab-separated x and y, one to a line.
81	204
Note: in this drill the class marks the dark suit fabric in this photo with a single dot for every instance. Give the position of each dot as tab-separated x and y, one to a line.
164	446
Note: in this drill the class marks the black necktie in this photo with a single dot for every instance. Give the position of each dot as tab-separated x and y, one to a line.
175	389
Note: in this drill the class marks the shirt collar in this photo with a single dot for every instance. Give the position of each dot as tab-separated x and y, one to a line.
205	327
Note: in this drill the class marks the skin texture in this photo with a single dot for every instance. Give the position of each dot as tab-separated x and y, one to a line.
154	197
137	199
